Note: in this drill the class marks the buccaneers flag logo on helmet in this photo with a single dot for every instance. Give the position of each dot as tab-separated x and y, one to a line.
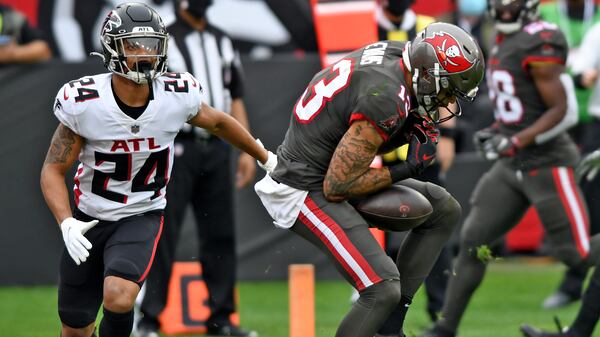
448	52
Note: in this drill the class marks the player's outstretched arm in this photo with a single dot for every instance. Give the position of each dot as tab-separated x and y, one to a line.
546	77
63	152
349	172
226	127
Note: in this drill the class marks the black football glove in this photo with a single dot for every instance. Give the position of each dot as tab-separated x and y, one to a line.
499	146
421	152
422	147
482	136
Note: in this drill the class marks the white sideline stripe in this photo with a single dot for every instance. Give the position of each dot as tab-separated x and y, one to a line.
563	174
345	7
337	245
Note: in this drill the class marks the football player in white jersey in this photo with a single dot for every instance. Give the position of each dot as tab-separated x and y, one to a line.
120	126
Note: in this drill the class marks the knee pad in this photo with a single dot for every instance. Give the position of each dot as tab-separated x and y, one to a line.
446	214
436	192
385	294
452	209
76	319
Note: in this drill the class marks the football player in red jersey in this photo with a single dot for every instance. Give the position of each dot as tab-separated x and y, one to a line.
371	101
121	126
534	156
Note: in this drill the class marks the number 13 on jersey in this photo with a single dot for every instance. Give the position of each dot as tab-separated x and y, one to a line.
317	94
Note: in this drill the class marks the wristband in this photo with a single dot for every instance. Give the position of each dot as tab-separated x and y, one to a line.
400	171
448	132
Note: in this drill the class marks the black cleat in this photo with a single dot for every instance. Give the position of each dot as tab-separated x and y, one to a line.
529	331
230	330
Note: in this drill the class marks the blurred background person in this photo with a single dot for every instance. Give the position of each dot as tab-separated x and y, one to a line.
575	18
470	16
201	174
396	21
19	41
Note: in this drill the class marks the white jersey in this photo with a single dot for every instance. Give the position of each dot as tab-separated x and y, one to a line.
125	163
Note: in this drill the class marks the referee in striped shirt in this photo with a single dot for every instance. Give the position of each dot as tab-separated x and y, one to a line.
201	173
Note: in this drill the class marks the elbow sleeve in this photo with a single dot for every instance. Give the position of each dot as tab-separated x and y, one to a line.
571	116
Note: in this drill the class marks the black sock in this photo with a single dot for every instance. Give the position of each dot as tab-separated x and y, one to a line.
116	324
395	321
589	312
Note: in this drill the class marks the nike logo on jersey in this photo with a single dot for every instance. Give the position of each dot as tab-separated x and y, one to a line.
427	157
65	95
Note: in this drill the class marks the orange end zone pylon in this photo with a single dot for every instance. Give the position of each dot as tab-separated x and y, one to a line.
302	300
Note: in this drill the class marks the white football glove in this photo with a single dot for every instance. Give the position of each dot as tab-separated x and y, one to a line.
77	245
589	166
271	162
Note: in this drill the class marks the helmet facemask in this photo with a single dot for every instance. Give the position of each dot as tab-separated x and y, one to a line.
433	91
146	53
134	43
520	13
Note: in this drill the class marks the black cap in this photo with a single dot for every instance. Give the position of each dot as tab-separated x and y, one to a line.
397	7
195	7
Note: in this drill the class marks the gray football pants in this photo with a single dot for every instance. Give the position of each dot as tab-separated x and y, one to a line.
498	202
343	235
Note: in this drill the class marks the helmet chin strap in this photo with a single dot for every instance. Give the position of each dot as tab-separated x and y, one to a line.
148	76
95	53
145	68
452	113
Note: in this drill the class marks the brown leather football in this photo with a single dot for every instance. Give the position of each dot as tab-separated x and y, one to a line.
398	208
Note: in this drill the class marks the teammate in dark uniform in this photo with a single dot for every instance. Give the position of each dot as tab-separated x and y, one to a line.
589	312
373	100
535	156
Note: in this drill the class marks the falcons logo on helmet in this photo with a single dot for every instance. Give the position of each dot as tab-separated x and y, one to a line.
448	52
112	21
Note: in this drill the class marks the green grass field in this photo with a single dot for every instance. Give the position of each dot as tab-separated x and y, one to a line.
511	294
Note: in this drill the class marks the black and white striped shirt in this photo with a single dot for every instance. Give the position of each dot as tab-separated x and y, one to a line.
209	55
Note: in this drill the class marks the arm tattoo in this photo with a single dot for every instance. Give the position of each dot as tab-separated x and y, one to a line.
61	145
349	173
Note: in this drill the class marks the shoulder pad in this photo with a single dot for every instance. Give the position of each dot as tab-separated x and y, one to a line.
545	38
535	27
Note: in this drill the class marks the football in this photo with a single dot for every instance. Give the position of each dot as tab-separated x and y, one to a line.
398	208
